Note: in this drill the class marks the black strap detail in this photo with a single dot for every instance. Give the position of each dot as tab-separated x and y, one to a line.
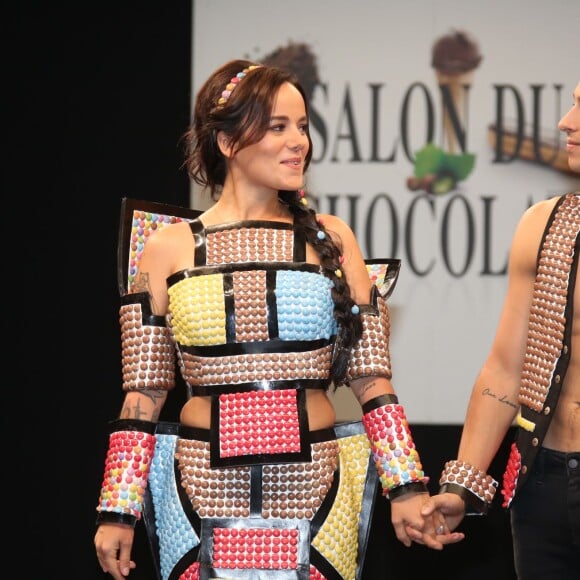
147	316
234	267
256	493
229	302
115	518
257	347
132	425
379	401
299	385
473	504
200	257
413	487
273	331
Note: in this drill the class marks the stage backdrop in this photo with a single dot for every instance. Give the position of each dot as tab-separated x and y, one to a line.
434	128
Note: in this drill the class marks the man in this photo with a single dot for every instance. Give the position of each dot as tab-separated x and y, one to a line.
531	375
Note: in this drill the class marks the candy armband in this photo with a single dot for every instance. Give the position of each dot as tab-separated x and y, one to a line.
148	352
396	459
370	356
131	447
474	486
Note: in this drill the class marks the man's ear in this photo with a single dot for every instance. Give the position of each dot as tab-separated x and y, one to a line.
224	144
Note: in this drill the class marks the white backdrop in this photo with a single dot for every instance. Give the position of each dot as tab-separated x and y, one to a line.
373	62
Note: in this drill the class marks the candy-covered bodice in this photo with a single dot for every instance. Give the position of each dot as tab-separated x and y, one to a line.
251	310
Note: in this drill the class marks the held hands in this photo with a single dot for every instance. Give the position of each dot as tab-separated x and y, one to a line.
113	543
430	521
448	507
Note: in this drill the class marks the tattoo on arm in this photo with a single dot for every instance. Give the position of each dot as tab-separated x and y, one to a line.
367	387
143	284
135	412
487	392
363	387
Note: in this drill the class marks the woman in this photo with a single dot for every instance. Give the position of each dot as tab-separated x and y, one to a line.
266	304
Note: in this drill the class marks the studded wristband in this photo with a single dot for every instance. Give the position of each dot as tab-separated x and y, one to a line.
474	486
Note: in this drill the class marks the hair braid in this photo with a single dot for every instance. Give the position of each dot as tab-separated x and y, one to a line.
350	326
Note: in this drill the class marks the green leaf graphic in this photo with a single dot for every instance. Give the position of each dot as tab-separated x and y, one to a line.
428	160
433	160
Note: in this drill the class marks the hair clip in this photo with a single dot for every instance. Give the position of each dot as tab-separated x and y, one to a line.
232	85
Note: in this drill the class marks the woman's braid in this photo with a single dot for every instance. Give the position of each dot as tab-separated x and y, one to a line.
330	254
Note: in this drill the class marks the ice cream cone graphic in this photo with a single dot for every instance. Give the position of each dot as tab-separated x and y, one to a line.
299	59
455	56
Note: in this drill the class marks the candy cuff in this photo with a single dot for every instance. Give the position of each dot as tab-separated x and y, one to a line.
474	486
131	449
393	449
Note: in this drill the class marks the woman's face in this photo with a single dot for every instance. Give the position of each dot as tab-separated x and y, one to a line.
276	162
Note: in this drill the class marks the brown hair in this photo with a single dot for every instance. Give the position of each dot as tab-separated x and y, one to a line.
245	119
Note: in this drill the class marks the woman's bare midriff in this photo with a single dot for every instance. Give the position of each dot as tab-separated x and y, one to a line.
197	411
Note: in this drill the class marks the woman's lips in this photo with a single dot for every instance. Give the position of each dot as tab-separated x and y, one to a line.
294	163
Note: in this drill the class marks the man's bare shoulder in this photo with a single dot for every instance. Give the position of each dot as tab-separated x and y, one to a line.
544	207
534	219
528	235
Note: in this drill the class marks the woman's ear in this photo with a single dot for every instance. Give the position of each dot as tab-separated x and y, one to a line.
223	142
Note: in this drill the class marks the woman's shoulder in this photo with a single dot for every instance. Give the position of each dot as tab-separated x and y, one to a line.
170	244
333	223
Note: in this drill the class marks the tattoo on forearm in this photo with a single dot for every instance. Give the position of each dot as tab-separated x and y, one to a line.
487	392
135	412
155	395
132	412
363	388
367	387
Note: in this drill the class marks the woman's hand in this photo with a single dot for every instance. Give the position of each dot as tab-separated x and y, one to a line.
113	543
